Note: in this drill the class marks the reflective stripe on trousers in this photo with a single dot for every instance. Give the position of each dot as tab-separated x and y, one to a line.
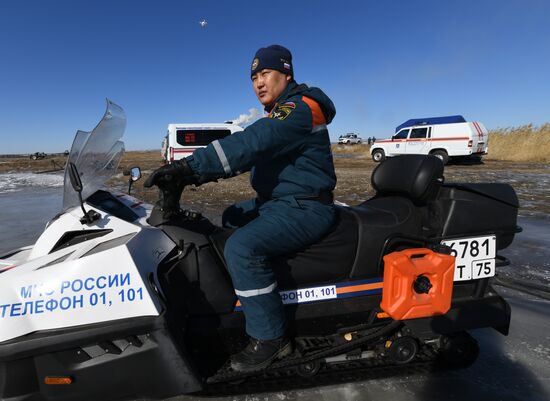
274	228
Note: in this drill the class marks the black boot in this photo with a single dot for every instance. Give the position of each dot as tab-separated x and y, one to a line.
259	354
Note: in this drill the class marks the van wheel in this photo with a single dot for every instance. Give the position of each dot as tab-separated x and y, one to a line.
378	155
441	155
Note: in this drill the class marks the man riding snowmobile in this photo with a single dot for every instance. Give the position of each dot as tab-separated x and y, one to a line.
142	302
289	156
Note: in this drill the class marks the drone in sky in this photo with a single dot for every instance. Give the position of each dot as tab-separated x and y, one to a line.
203	23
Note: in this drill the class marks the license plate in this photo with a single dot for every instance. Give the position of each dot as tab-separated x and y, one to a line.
474	257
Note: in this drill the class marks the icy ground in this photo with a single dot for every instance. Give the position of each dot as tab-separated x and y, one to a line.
513	368
12	182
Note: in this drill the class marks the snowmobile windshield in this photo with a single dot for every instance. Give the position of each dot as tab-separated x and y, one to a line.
96	155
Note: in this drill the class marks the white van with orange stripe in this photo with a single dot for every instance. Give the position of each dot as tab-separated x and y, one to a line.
444	137
182	139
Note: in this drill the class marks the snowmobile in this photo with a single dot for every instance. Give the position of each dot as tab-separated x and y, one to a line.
113	302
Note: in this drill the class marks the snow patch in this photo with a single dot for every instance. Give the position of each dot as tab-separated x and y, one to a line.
12	182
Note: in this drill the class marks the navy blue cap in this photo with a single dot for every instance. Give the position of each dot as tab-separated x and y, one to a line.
274	57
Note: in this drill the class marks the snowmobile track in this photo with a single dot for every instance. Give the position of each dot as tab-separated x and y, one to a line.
426	361
285	374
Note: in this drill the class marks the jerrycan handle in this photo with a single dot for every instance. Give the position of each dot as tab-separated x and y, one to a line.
417	252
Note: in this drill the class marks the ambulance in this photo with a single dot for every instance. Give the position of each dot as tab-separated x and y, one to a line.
182	139
444	137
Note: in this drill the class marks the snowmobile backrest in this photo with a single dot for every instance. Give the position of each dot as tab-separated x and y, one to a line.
417	177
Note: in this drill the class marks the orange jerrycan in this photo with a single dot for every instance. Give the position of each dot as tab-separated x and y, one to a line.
417	283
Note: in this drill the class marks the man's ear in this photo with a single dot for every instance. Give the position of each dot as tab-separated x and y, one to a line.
288	78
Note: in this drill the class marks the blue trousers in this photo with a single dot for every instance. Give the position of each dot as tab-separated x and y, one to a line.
265	230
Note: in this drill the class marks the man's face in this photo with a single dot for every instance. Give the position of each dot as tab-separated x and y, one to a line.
269	84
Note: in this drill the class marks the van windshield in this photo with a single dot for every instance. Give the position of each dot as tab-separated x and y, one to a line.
199	137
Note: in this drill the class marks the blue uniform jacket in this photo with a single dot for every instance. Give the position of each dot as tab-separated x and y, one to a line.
288	152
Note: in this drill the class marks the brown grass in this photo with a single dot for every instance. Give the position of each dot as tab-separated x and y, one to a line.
525	143
21	164
358	151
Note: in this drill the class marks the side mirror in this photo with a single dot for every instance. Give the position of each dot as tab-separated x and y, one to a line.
74	176
135	173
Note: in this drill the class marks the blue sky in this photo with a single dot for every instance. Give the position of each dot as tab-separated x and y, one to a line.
382	62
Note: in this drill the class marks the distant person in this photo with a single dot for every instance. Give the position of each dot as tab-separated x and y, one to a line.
369	140
289	156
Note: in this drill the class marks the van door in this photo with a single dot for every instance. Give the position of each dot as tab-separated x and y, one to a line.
399	142
419	141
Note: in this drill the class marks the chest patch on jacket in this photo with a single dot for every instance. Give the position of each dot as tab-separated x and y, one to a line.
282	111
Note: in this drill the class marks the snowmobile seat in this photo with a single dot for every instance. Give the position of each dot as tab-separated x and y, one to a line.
328	260
380	218
352	249
403	185
415	177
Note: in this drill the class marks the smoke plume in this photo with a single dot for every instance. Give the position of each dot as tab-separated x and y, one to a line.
247	119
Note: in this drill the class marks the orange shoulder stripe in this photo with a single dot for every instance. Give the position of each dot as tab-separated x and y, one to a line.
316	112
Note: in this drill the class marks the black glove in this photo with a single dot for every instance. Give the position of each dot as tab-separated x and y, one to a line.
167	208
171	176
171	180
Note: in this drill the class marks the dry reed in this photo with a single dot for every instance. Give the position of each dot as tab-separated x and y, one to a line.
526	143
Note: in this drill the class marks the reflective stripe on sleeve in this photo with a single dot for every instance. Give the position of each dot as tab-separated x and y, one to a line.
223	158
260	291
318	128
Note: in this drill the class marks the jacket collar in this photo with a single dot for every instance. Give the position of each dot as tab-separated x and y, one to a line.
292	85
